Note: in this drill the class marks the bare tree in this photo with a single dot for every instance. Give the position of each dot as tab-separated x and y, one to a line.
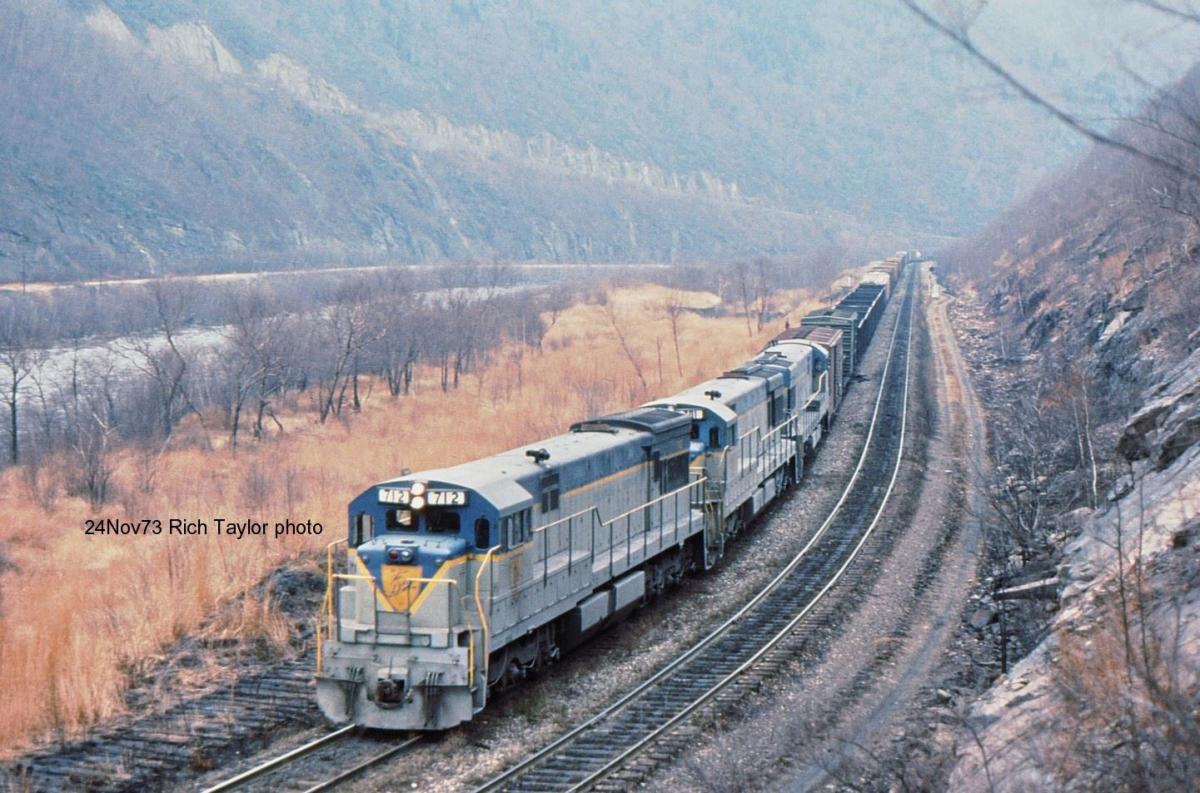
161	357
240	363
398	317
343	334
762	290
19	355
557	299
673	307
611	313
739	280
955	24
92	438
1169	127
260	338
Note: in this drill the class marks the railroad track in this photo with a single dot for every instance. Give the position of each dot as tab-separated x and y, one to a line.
296	768
758	639
615	748
149	752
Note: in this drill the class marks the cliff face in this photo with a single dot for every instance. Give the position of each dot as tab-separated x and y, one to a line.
1092	289
1108	701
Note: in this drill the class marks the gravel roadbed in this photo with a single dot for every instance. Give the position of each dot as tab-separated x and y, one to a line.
592	676
850	714
601	671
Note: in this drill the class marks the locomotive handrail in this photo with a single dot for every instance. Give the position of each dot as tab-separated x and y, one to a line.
326	605
627	512
407	610
408	582
556	523
483	618
770	450
592	514
335	616
745	460
694	651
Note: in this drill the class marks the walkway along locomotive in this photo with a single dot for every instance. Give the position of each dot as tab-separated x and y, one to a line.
466	578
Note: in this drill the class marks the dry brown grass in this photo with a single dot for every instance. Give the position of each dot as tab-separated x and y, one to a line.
1129	690
80	611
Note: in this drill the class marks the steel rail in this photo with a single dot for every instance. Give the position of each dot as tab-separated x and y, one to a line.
707	641
350	773
281	760
775	640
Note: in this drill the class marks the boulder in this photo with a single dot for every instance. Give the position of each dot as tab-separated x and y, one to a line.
982	617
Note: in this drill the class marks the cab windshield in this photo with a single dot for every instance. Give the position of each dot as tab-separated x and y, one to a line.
442	521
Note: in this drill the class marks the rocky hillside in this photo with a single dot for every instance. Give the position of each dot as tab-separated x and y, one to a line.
142	136
1090	362
162	150
1109	699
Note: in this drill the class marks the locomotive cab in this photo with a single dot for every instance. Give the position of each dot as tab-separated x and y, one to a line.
711	428
407	641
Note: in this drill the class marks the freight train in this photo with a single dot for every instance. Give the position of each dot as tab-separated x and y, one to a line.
464	580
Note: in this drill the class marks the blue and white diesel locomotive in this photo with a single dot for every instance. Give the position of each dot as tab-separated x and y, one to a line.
471	577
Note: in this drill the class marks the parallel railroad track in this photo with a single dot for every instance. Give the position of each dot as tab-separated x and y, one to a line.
148	753
647	723
613	749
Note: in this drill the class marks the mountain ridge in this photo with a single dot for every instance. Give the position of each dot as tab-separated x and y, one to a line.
151	137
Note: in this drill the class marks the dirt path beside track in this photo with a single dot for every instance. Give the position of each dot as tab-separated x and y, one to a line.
838	720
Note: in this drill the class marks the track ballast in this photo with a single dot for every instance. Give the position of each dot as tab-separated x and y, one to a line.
757	639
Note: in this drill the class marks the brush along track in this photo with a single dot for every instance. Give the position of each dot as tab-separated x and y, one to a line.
150	752
649	723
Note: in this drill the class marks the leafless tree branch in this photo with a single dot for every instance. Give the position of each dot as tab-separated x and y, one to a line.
960	36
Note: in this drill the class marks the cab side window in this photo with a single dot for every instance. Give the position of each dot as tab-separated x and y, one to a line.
550	493
442	521
363	529
483	533
516	529
401	519
676	473
778	408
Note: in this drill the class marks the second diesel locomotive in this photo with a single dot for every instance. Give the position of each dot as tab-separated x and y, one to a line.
467	578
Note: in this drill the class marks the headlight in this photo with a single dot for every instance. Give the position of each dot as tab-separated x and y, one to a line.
418	502
418	489
401	554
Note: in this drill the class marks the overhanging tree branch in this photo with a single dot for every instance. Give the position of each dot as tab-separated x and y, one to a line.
960	37
1180	14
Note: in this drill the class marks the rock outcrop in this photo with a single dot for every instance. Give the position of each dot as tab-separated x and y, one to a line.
1110	697
194	45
